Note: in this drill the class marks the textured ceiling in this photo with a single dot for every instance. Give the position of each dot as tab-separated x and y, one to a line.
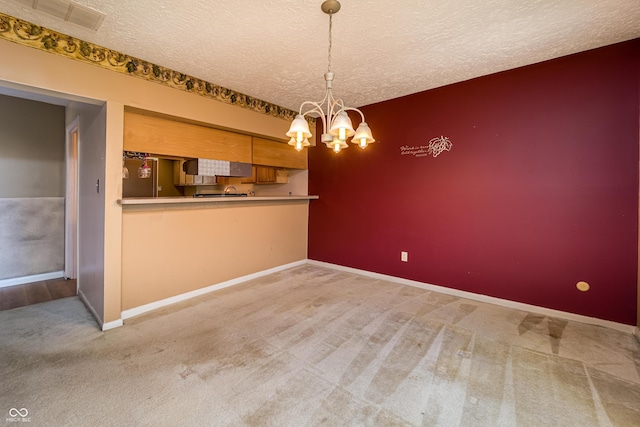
277	50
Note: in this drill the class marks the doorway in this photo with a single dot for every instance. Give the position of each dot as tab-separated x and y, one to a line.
71	201
31	288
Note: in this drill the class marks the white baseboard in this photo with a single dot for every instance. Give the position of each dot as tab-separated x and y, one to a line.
30	279
104	326
126	314
484	298
111	325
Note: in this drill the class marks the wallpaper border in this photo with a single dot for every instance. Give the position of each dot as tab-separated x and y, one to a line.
41	38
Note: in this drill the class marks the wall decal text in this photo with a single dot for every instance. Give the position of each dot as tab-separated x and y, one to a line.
436	146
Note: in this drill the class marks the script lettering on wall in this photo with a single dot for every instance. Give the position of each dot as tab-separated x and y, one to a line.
435	146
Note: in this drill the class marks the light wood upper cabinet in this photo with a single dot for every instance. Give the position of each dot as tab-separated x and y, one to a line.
278	154
149	134
265	175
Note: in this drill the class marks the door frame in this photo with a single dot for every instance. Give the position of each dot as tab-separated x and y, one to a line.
71	200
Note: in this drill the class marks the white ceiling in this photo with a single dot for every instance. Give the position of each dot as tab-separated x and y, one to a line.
276	50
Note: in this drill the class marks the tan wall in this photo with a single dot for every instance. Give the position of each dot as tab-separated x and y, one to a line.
167	252
113	212
50	74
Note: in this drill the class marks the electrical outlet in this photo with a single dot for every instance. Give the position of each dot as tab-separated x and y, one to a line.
404	256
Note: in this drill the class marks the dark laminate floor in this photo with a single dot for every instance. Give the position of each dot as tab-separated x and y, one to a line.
36	292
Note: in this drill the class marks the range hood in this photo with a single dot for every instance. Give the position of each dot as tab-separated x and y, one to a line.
208	167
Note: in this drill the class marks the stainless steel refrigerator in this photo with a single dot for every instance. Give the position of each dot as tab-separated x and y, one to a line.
140	187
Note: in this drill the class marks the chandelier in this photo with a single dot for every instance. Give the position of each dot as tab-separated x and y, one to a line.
335	119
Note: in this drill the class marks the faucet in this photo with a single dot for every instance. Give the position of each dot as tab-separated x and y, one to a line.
230	189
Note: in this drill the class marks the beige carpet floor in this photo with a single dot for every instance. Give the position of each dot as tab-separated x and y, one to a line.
314	346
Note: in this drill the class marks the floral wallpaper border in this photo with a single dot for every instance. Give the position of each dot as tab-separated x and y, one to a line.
28	34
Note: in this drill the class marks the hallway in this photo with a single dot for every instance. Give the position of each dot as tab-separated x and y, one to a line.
36	292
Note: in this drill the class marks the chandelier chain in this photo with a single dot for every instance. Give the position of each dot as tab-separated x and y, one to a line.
330	31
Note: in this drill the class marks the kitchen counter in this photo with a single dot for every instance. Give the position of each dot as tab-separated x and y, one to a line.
141	201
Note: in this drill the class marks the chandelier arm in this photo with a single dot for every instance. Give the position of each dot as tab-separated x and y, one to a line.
331	103
327	95
339	102
354	109
317	108
332	108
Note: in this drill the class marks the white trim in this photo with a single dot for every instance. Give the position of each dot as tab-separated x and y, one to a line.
111	325
71	199
29	279
127	314
484	298
104	326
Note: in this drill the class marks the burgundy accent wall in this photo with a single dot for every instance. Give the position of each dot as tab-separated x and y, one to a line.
538	192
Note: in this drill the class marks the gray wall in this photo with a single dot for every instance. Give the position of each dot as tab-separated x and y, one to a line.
31	236
32	148
32	187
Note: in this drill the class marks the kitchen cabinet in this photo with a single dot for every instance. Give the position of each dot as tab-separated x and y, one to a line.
266	175
159	135
268	152
282	176
250	179
182	179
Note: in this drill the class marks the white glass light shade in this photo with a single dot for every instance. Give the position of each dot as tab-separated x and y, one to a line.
299	145
341	126
363	135
337	145
299	128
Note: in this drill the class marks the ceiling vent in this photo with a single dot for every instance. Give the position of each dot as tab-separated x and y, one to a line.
69	11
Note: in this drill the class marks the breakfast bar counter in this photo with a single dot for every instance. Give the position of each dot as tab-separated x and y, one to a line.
142	201
177	246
